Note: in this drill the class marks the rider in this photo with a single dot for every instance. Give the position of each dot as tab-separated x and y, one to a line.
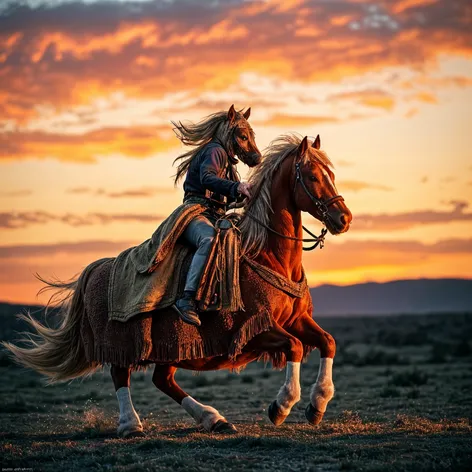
211	180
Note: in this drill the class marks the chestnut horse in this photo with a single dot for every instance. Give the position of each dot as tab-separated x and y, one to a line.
295	176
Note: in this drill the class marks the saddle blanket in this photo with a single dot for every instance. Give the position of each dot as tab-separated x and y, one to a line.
151	276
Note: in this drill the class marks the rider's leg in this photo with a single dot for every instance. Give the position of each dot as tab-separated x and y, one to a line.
199	233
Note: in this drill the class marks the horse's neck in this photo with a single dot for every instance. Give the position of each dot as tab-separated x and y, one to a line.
284	255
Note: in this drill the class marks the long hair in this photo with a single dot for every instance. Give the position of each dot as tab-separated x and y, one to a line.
215	126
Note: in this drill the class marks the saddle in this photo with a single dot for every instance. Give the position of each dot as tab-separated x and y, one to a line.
152	276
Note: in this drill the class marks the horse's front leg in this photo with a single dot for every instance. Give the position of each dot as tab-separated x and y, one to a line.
322	391
279	340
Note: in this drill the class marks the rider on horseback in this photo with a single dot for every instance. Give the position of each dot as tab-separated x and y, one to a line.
211	180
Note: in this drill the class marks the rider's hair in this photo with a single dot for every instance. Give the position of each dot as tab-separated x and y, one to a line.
216	126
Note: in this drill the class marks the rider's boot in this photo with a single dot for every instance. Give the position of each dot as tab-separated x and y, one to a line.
186	307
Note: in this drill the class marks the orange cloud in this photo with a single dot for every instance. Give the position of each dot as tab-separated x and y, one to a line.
376	98
139	142
403	5
287	121
15	220
357	186
143	192
62	60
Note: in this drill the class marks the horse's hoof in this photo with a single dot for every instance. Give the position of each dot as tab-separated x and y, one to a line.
275	414
132	432
313	416
223	427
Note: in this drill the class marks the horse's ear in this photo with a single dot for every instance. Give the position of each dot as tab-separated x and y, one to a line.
317	142
302	148
247	113
231	114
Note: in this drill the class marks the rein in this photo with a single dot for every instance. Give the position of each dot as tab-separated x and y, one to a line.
321	206
318	240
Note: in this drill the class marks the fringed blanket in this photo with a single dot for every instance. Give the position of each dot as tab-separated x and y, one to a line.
162	336
151	276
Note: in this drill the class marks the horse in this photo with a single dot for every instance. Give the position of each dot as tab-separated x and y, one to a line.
295	176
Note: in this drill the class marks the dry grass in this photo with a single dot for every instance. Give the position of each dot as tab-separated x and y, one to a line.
425	425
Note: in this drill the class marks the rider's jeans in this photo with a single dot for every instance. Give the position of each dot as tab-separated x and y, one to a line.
200	234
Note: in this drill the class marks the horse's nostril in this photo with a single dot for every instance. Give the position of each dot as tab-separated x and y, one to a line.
343	220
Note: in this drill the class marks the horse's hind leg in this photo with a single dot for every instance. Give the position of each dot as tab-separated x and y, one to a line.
205	416
278	340
322	391
129	424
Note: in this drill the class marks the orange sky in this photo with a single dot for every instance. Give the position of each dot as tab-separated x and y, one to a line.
88	89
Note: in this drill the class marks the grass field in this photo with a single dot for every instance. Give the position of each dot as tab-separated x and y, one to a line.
403	402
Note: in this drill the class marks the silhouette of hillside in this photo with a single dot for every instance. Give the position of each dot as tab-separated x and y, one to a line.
400	296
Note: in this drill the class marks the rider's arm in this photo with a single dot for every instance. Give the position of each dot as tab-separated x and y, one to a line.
214	160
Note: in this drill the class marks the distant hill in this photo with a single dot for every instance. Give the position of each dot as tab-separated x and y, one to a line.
401	296
398	297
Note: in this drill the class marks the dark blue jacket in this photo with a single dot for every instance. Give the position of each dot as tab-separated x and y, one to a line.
211	175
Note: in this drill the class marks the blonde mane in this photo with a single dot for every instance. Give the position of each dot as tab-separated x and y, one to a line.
254	235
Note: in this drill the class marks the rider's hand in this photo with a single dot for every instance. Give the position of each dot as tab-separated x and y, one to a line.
245	189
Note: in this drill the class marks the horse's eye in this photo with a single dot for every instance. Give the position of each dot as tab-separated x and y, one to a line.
313	178
244	138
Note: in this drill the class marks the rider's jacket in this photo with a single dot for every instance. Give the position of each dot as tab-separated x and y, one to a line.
212	176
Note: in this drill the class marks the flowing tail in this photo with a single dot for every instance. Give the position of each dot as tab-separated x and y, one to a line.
58	353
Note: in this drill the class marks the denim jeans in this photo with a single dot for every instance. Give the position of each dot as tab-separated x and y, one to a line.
200	234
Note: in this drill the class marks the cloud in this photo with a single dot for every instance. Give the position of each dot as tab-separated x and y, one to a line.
284	121
357	186
19	262
142	192
45	250
138	142
372	253
401	221
375	98
16	193
70	54
15	220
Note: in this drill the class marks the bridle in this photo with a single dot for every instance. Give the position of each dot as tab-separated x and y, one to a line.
322	207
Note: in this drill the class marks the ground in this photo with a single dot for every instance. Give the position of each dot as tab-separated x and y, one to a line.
403	402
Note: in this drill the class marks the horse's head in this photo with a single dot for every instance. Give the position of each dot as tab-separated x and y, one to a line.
242	137
314	190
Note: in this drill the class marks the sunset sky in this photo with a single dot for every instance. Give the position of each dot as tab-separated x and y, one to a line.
88	89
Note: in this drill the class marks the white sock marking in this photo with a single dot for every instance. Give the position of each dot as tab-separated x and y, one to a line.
129	419
323	390
289	393
204	415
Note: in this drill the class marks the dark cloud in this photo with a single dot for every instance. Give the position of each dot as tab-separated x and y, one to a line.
400	221
15	220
